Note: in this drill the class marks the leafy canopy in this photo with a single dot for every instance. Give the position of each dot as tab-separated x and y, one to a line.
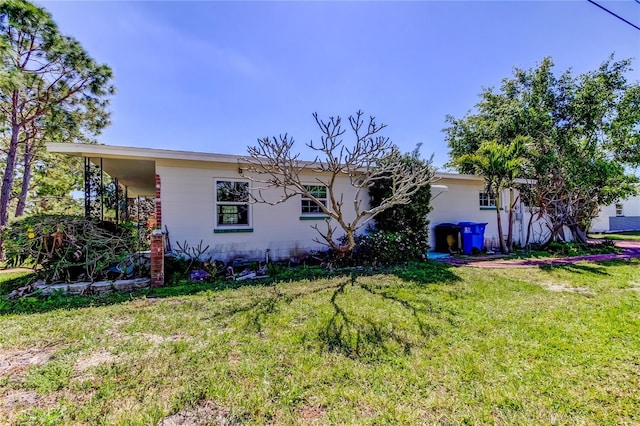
582	130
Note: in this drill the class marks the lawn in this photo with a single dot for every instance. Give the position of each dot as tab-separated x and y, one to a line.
430	344
627	235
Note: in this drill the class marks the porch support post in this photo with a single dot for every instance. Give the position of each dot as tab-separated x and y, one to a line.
87	188
101	192
126	197
117	185
157	258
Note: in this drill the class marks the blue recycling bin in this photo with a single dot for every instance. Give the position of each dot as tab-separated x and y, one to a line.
472	236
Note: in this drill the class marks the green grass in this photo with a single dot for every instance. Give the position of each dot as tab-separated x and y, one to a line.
421	345
628	235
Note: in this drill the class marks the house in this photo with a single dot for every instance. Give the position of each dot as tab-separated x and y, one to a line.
462	198
203	197
621	216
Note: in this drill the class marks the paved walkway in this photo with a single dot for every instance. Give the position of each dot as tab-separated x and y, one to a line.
630	249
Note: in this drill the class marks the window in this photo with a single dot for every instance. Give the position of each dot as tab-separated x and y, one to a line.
619	210
487	201
310	207
232	203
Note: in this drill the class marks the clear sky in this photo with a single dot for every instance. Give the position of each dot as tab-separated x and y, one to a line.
215	76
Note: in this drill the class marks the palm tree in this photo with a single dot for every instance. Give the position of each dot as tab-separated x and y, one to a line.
500	165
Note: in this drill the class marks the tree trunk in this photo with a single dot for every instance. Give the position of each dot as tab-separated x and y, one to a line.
529	226
578	234
503	246
510	228
9	170
26	183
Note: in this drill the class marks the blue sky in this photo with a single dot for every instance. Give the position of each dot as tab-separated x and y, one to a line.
215	76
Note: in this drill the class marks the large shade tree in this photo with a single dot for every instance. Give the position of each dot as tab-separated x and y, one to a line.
50	90
582	129
370	158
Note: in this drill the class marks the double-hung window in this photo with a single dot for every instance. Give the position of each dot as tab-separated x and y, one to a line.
308	206
232	203
619	210
487	201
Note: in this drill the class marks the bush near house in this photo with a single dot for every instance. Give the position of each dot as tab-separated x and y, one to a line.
384	247
67	248
401	232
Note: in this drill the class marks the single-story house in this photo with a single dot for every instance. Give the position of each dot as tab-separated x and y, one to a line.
199	199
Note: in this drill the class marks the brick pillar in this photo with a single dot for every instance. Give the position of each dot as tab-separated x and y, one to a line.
158	203
157	258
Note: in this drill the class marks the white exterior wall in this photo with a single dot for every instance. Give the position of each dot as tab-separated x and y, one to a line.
631	206
461	204
601	222
189	212
630	209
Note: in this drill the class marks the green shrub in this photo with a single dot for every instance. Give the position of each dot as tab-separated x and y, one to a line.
380	247
576	249
401	232
62	247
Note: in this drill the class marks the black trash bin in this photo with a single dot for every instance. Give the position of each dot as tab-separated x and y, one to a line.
447	237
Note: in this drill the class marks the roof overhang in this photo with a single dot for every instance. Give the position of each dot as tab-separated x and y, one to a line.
136	167
136	173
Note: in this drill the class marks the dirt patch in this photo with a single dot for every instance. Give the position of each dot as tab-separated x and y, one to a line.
634	286
559	287
18	401
234	358
93	360
203	414
312	414
15	362
157	339
20	398
15	270
15	401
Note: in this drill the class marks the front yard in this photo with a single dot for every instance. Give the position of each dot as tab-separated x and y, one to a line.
427	344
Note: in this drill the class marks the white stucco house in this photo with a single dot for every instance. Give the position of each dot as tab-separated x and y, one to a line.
191	190
621	216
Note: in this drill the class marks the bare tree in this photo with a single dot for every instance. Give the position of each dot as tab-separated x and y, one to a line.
373	157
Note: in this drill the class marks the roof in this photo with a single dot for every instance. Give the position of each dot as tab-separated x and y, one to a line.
134	167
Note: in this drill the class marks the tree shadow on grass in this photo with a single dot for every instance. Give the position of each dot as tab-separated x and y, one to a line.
416	310
429	272
577	268
359	337
423	273
17	280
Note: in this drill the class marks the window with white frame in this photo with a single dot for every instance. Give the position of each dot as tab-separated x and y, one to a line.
487	200
308	206
232	203
619	210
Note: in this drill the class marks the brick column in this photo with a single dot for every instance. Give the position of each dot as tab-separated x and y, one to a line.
158	203
157	258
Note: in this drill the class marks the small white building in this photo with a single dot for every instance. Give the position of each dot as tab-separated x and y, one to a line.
199	199
621	216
